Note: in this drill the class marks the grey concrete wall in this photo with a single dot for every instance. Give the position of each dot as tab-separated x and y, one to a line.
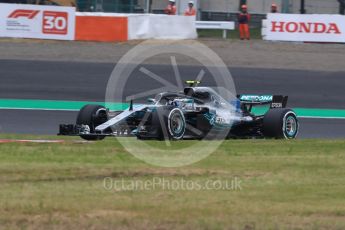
316	6
219	5
159	4
263	6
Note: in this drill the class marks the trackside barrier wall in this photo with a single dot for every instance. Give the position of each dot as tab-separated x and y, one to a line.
33	21
156	26
304	28
51	22
91	27
122	27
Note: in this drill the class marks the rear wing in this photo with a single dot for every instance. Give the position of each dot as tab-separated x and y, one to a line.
275	101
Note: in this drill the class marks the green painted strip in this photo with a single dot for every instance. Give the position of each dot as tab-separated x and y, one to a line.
76	105
308	113
54	105
321	113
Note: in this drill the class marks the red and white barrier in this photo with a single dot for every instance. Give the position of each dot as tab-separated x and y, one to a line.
63	23
304	28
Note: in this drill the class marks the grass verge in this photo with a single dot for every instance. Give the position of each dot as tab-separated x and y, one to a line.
283	185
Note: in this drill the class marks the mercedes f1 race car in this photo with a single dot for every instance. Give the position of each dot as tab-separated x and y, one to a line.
195	113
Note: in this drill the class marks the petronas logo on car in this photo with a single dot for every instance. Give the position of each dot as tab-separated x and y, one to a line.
256	98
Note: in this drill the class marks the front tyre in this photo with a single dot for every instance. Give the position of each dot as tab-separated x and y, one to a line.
176	124
167	123
280	124
92	116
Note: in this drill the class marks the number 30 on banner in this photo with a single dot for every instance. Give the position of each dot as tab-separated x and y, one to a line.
55	22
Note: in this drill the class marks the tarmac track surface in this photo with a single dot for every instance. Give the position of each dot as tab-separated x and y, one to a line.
81	81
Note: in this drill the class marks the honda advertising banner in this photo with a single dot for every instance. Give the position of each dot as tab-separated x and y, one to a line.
305	27
34	21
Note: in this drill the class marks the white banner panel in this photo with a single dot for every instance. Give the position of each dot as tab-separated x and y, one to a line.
34	21
305	27
157	26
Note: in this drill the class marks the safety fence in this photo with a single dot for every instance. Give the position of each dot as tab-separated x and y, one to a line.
255	21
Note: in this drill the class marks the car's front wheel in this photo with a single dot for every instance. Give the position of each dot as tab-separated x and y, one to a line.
176	124
92	116
169	123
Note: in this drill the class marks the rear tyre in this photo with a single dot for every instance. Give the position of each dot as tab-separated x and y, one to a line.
280	124
92	115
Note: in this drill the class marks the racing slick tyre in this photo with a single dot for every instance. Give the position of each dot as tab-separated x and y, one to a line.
171	123
176	124
280	124
92	115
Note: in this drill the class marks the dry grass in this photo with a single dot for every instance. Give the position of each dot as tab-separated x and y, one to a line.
285	185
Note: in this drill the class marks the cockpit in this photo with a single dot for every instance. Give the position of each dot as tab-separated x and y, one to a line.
199	95
205	94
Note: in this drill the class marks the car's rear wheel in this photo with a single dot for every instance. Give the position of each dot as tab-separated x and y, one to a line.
92	116
280	123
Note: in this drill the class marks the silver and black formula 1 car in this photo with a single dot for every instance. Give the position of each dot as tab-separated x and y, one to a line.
195	113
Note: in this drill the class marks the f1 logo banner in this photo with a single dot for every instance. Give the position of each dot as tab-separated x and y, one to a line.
30	14
305	27
33	21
